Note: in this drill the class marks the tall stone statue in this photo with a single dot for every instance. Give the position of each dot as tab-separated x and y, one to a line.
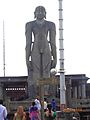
40	47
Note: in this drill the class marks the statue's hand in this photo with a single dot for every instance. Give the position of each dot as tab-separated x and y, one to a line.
53	64
29	65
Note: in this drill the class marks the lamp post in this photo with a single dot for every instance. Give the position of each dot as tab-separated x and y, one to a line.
62	76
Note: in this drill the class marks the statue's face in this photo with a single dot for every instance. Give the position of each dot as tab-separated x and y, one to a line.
40	13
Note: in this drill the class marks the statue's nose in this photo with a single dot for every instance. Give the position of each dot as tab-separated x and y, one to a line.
40	12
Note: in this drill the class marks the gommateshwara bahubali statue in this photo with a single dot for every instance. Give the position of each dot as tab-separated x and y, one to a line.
40	46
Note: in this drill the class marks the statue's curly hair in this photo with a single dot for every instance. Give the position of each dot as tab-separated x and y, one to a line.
40	7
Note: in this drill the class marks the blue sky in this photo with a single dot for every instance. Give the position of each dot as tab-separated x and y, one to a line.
76	34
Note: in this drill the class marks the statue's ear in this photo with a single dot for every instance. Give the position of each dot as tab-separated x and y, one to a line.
45	16
34	15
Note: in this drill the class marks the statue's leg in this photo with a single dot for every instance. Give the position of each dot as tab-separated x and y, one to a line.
31	85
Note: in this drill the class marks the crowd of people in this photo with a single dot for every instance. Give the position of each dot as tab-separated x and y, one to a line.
34	111
49	110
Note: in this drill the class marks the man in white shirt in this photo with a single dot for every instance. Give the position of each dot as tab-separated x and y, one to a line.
3	111
38	105
45	104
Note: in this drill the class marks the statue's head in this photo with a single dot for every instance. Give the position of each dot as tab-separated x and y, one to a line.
40	12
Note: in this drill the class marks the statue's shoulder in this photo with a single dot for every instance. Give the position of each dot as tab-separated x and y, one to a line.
50	24
30	23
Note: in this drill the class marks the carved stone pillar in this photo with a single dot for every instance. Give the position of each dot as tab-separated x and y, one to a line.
1	91
83	89
75	91
79	91
68	92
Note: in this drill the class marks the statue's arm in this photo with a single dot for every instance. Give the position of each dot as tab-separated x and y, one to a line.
53	44
28	33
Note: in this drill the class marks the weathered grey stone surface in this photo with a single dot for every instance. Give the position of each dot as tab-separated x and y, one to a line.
1	91
40	47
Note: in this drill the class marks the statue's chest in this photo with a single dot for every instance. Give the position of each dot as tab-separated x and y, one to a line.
40	29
